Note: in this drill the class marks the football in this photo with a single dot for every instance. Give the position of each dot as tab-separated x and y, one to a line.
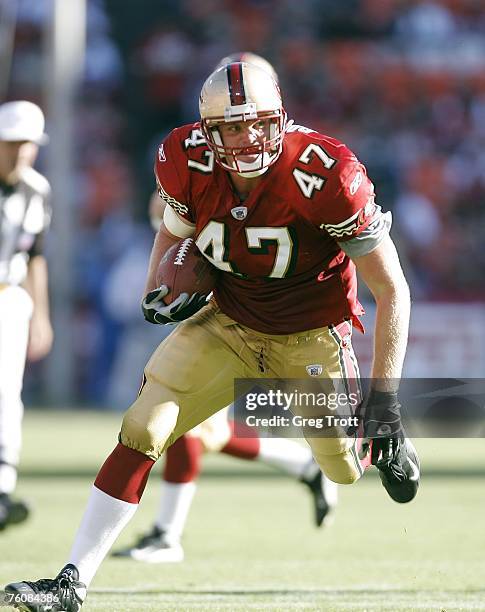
185	270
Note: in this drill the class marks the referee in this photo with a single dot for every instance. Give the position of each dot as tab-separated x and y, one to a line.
25	328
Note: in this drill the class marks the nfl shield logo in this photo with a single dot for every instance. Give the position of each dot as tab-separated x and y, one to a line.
239	212
315	369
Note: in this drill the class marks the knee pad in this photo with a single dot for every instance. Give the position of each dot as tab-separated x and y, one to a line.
338	460
215	432
339	468
148	428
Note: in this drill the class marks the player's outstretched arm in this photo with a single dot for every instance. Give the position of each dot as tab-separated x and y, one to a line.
382	273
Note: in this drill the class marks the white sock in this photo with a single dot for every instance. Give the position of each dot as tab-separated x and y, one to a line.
8	478
287	455
175	502
330	490
104	519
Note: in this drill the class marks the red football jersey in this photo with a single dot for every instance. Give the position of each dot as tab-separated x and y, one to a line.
284	269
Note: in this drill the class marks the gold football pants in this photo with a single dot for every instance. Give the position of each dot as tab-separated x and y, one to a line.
191	376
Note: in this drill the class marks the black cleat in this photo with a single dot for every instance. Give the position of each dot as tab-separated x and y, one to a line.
63	593
324	494
400	475
153	547
12	511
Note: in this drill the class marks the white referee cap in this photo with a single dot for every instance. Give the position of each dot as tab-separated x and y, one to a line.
22	120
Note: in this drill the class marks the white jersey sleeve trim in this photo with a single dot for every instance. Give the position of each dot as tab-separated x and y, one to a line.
176	225
370	238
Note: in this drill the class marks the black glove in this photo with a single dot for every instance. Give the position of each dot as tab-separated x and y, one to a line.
156	311
382	424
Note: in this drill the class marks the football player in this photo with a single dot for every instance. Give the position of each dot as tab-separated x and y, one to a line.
162	542
288	216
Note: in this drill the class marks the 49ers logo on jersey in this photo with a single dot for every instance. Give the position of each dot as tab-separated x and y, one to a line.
367	211
352	224
356	183
345	228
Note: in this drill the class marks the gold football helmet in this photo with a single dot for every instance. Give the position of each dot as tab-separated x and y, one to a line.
242	92
249	58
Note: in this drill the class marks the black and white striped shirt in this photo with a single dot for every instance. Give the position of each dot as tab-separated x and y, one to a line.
24	217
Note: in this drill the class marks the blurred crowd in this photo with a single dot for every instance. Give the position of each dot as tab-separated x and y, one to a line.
401	82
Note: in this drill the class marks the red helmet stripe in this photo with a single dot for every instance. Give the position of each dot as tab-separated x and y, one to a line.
236	84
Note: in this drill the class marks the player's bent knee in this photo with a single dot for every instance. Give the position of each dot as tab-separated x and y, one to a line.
337	458
342	468
339	475
147	431
215	432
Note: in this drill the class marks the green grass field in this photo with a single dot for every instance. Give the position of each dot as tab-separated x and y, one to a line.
250	543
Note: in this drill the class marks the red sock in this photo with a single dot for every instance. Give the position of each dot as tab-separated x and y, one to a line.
124	474
242	447
183	460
